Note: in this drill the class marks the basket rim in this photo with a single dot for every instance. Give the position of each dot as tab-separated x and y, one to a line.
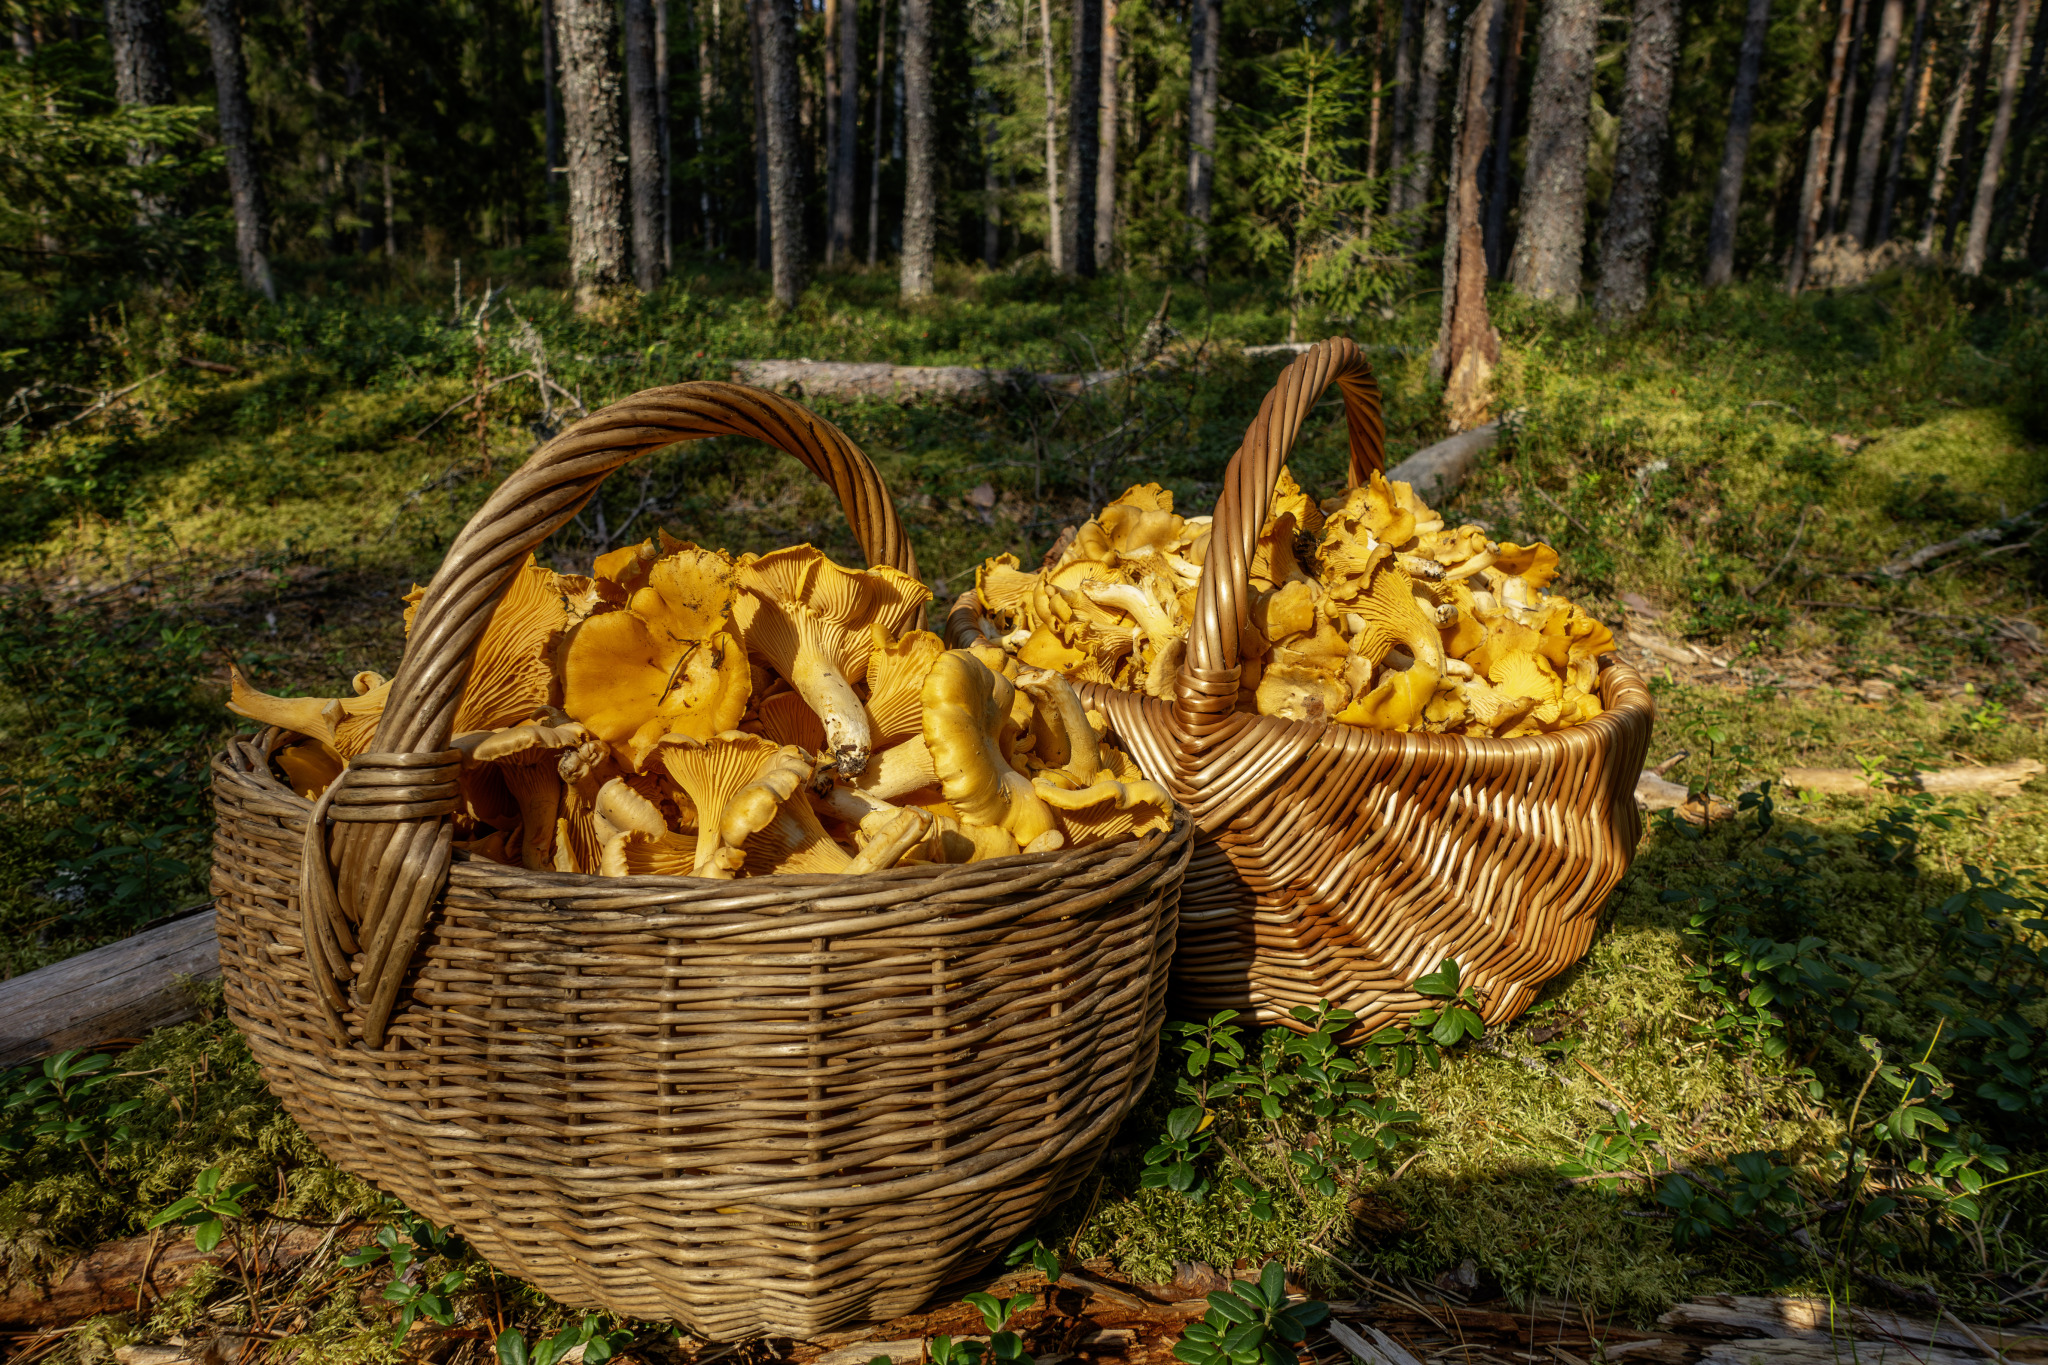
247	758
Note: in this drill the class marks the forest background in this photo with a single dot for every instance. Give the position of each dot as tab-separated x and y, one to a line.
1751	288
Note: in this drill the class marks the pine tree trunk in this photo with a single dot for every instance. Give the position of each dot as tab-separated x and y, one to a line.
875	163
1105	142
991	200
2006	219
390	195
764	233
550	100
1951	123
1552	240
237	140
1431	59
1404	96
1629	232
1883	67
828	40
1378	68
1205	44
1817	149
1501	162
1902	126
1735	147
1084	144
1468	347
845	171
141	51
1838	162
1055	237
643	128
1979	245
662	106
588	35
920	173
775	21
707	92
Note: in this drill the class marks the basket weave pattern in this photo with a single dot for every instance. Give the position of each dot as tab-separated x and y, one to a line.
1339	863
769	1106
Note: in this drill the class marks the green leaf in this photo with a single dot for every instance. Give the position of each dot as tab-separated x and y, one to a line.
1273	1280
206	1235
511	1347
1231	1307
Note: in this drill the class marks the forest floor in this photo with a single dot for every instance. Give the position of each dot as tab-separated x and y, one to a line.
1727	482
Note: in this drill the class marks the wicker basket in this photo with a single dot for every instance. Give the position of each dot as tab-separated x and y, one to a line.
1341	864
770	1106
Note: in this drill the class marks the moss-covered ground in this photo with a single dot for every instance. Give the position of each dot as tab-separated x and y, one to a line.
1732	474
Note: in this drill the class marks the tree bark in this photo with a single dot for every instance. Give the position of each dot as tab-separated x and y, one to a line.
1552	240
588	35
1817	149
237	139
707	92
1876	113
1979	245
1503	141
2007	218
920	193
1735	147
141	50
662	105
1902	127
1084	143
775	24
828	40
1468	347
1105	143
1404	94
1951	123
991	195
643	128
1431	58
550	101
845	170
1629	233
1972	118
1838	161
1205	44
1378	68
875	164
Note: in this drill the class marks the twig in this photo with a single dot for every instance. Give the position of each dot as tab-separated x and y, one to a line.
1774	403
1983	535
210	366
104	402
468	398
1785	558
1561	512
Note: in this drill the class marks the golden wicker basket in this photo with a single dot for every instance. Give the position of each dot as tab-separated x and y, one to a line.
770	1106
1340	864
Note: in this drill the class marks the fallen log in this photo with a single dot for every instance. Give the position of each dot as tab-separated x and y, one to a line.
1438	469
122	990
2002	779
846	379
108	1278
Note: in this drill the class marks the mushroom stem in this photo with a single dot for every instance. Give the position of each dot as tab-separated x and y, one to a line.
848	737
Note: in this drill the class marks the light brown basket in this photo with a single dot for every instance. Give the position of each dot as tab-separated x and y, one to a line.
1340	864
769	1106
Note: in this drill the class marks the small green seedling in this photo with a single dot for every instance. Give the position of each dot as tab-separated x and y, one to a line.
1251	1323
208	1210
597	1345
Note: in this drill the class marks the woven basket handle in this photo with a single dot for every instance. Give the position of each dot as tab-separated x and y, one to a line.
1209	674
393	840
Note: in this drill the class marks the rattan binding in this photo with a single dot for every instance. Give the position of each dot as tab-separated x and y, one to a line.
1340	864
767	1106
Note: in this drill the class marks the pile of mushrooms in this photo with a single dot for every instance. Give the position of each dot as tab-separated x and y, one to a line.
1366	610
681	713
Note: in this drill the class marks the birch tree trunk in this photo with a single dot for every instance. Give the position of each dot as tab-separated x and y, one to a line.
1951	122
1055	237
1817	148
1552	241
1498	192
845	171
776	23
237	138
1902	126
1629	232
1431	58
1979	245
1105	142
1205	42
643	127
1084	143
1468	347
1876	113
1721	223
588	34
920	207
